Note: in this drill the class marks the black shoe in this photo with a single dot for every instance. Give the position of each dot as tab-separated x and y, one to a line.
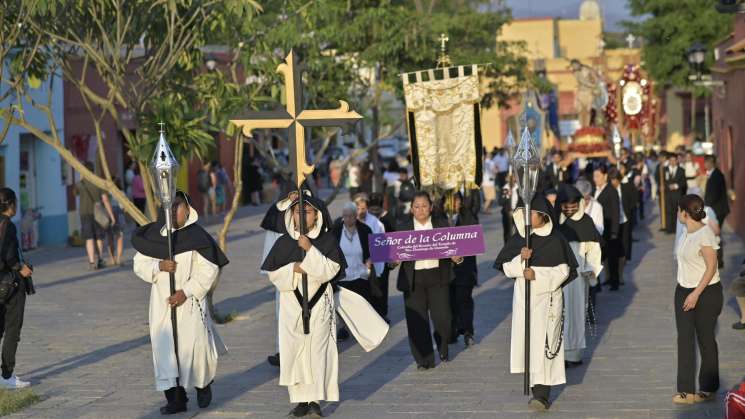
204	396
273	360
468	340
738	326
444	358
300	410
342	335
572	364
176	397
422	367
539	404
614	288
314	411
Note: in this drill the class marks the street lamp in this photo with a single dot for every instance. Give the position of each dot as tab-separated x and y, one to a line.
526	163
697	56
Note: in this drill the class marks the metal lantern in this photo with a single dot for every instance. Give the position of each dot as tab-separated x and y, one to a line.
527	165
164	167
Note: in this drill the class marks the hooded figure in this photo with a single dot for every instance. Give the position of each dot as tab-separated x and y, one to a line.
310	365
197	262
552	266
579	230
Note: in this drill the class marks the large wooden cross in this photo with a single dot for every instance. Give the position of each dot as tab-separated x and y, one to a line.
295	118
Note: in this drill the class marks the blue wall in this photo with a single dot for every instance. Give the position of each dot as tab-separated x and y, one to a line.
50	190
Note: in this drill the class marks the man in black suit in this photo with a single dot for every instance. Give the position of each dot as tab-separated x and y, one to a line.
608	198
629	194
675	188
715	195
556	172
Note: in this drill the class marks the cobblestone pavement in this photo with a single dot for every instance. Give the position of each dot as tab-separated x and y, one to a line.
86	349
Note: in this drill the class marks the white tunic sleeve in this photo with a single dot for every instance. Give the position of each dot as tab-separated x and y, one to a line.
593	257
514	268
318	267
146	268
549	278
284	278
203	275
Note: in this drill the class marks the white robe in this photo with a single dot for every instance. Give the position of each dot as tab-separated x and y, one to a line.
545	315
198	341
576	293
309	364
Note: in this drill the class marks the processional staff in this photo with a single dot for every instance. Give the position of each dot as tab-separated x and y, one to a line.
526	164
164	167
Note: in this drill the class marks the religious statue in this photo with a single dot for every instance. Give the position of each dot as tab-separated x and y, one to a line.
591	93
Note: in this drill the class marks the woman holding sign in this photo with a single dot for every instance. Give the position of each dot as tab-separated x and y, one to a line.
551	266
426	288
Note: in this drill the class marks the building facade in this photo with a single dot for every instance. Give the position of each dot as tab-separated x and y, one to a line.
728	123
35	171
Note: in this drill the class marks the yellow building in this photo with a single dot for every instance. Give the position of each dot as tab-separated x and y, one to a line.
550	44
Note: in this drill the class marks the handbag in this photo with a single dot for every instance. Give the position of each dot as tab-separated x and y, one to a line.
99	212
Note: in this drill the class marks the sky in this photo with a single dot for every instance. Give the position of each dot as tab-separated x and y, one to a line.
614	11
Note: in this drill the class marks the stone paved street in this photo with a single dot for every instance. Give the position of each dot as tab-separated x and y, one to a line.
86	349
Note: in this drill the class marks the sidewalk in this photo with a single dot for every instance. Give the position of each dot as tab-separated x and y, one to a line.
86	348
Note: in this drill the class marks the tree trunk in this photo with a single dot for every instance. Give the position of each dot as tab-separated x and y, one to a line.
377	183
222	235
147	183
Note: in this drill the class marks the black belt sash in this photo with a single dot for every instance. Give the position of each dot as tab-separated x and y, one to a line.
317	296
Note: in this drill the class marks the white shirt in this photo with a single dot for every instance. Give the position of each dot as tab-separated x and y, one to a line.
501	163
594	209
488	177
691	171
426	263
352	249
680	228
620	204
691	264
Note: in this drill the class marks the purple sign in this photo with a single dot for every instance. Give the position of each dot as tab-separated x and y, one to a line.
438	243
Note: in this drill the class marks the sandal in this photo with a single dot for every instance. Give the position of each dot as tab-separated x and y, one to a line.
684	398
704	396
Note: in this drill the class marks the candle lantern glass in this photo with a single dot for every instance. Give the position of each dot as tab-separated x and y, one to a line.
164	168
527	165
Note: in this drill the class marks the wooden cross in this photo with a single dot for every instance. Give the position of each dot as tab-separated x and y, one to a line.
630	39
295	118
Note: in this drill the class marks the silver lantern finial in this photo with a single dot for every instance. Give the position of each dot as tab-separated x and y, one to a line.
164	167
527	164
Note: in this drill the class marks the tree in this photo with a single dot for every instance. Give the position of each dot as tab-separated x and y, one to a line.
669	28
146	52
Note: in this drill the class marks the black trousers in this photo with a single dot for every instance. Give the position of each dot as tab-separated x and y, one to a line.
699	325
11	322
612	252
428	299
671	210
626	240
461	305
380	303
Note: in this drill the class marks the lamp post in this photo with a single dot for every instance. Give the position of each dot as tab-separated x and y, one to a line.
164	167
696	58
526	163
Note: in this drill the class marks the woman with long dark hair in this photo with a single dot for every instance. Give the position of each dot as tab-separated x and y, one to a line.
698	303
11	310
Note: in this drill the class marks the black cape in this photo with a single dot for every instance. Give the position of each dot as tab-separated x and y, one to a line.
548	251
286	249
582	230
148	241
